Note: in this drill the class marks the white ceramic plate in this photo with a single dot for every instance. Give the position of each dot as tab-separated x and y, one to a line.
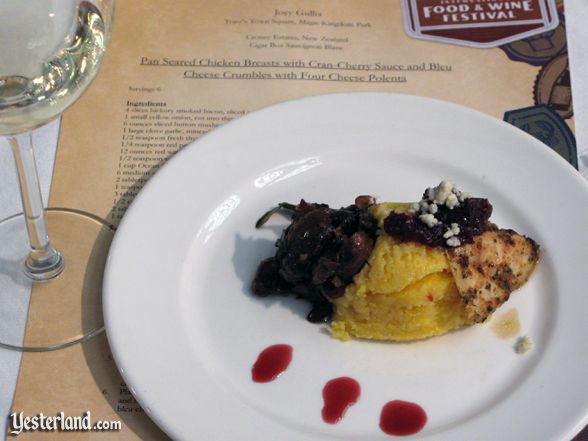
185	330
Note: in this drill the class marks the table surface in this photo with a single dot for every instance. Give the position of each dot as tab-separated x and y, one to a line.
45	140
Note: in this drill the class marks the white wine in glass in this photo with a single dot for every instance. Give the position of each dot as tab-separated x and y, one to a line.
50	51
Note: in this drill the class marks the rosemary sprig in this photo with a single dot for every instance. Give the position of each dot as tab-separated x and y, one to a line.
281	206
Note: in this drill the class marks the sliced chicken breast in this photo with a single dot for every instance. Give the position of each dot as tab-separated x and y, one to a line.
489	269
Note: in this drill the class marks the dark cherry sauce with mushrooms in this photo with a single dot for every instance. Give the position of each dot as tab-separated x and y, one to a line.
318	253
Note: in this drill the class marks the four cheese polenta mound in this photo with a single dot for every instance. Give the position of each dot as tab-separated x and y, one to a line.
405	292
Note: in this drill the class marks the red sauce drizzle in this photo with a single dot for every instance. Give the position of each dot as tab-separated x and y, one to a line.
271	363
402	418
339	394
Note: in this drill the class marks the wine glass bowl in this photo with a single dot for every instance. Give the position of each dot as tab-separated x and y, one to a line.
51	52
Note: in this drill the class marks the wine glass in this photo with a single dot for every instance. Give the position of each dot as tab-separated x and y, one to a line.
50	51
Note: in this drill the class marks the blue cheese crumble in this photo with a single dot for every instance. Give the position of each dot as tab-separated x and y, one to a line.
447	194
524	344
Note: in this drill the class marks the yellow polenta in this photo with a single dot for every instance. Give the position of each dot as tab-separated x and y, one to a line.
405	292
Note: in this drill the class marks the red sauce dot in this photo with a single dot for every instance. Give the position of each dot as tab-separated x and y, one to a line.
402	418
339	394
271	363
430	297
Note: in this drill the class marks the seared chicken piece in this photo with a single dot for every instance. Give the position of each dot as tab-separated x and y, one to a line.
489	269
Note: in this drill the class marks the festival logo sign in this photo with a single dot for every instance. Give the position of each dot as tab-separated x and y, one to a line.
478	23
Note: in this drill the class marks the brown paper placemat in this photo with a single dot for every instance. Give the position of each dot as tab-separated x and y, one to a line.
176	70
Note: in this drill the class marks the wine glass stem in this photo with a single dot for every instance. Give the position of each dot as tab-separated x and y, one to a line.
43	262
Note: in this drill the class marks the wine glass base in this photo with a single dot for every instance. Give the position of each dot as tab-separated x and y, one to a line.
64	310
47	270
